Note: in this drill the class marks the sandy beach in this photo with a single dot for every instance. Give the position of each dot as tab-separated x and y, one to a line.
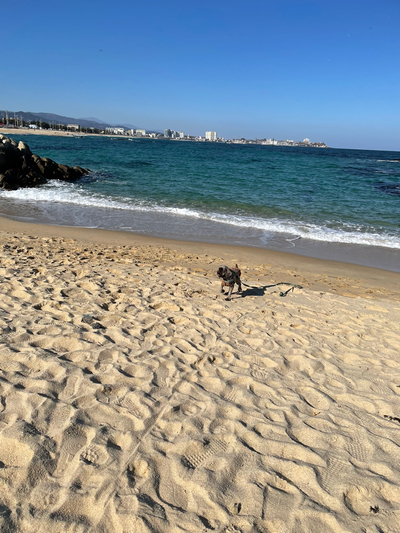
56	133
135	399
31	131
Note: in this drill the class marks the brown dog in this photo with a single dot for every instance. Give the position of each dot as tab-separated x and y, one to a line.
229	276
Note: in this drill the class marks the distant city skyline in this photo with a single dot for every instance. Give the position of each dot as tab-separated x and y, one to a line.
28	120
21	119
286	70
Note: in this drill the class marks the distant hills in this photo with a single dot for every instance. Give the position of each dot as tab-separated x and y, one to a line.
52	118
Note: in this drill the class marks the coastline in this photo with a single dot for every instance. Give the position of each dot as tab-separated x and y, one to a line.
318	274
91	210
133	397
30	131
54	133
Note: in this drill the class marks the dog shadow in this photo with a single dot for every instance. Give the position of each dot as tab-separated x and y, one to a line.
256	291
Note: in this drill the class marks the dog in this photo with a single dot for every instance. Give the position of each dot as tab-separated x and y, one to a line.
229	276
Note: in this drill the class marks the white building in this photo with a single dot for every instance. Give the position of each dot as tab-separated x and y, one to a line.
211	135
115	131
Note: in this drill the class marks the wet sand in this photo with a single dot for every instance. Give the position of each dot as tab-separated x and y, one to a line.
134	398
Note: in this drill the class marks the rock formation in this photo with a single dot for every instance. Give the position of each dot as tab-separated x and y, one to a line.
20	168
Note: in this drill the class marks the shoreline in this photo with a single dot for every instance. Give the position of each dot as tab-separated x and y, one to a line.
163	226
317	274
167	226
56	133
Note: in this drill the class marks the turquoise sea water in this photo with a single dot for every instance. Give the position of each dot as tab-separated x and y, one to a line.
284	198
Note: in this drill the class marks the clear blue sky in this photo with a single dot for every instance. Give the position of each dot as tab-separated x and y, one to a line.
288	69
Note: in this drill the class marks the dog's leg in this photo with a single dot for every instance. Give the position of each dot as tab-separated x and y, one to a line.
229	292
239	286
222	288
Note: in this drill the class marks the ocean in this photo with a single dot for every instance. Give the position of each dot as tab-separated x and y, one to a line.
327	203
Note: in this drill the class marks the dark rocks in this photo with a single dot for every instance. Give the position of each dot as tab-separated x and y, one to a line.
20	168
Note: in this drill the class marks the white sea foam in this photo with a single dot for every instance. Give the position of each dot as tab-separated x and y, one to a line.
310	231
65	193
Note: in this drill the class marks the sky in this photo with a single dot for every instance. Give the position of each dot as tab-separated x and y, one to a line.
283	69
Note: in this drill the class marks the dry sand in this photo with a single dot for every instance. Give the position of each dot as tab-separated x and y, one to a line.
135	399
56	133
30	131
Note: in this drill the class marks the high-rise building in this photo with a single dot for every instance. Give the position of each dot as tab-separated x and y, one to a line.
168	133
211	135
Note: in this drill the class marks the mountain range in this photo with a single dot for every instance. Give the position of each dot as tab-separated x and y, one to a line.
51	118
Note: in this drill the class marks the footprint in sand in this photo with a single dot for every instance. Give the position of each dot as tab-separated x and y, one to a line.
222	426
217	446
231	393
360	447
59	419
315	398
154	511
171	488
71	388
333	478
162	377
262	391
135	408
259	373
95	455
280	506
381	388
74	439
